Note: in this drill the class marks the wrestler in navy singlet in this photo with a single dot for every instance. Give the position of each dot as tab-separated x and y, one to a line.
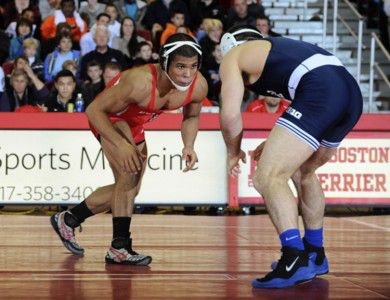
326	100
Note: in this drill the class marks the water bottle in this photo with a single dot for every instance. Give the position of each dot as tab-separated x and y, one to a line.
79	104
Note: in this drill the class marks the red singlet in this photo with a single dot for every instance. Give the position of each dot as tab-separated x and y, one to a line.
136	116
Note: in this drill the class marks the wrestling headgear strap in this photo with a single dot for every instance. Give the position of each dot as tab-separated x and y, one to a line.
168	49
228	40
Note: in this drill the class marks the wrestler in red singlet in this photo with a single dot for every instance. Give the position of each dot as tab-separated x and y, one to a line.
117	117
136	116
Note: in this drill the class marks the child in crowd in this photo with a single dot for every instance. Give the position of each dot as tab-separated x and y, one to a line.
177	20
94	72
30	50
64	52
70	65
27	13
145	54
94	85
23	31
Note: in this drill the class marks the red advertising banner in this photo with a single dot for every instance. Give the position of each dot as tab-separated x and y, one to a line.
358	174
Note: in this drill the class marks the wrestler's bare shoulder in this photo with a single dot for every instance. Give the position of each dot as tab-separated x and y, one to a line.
137	73
139	78
201	88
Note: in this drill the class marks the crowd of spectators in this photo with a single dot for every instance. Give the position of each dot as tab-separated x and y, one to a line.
52	50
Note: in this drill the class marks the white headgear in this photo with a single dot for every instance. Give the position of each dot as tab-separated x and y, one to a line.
228	40
167	49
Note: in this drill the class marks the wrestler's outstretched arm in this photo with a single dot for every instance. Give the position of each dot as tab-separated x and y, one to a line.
232	93
190	124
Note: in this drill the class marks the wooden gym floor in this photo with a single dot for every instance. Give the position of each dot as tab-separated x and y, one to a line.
194	257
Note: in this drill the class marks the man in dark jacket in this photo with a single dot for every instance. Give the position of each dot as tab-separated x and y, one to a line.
21	93
64	98
159	12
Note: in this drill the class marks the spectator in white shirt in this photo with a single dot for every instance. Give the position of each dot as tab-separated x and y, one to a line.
114	26
87	43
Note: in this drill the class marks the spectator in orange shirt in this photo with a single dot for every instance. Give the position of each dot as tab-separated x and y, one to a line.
66	14
268	105
177	21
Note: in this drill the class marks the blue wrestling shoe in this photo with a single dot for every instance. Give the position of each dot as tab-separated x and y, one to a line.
293	268
316	256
